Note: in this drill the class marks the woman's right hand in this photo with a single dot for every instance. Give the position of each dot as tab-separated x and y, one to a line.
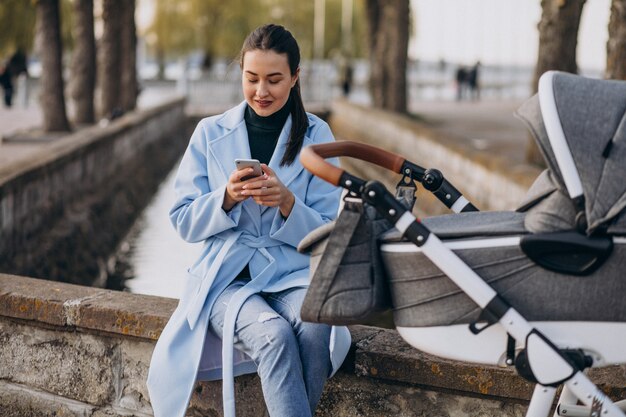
233	195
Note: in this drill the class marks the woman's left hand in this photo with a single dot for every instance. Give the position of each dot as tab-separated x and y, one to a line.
269	191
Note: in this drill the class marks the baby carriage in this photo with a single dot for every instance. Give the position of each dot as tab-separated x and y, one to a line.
541	288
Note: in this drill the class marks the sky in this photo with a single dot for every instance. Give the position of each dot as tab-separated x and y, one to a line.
499	31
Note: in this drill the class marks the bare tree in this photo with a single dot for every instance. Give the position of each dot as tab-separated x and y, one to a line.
48	39
84	63
388	43
616	45
128	64
110	56
558	37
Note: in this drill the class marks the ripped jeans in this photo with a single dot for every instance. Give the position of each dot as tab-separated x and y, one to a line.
292	356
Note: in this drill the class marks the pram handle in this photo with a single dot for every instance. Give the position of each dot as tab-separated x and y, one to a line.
313	159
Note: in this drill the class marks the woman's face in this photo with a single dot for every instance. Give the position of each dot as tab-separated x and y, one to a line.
266	81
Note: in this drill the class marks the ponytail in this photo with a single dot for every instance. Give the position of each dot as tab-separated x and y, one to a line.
299	125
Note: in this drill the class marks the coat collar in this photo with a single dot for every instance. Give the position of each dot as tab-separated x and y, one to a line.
231	118
234	144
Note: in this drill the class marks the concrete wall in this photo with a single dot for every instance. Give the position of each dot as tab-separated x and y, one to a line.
63	210
485	179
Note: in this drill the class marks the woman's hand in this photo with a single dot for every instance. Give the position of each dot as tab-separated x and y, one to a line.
234	187
268	190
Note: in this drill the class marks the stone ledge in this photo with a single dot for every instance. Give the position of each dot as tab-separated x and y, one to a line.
383	354
69	305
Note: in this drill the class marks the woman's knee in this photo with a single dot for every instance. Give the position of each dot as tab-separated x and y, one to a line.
314	334
280	332
272	333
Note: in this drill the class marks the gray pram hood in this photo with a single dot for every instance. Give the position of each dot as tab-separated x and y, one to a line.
592	115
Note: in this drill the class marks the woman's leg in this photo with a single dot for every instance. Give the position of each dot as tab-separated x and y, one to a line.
313	341
269	340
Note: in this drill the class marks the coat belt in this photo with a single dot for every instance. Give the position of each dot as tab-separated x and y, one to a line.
255	242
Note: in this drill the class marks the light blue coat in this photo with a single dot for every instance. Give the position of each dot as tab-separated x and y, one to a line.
247	234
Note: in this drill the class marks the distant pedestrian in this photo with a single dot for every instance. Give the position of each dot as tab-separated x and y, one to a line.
441	65
473	82
461	79
14	67
7	85
345	75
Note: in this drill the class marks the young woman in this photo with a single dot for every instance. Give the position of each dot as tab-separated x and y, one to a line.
240	311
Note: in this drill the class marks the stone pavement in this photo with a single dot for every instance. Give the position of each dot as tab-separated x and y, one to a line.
11	121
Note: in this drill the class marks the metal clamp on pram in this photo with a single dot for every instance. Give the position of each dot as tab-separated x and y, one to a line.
549	277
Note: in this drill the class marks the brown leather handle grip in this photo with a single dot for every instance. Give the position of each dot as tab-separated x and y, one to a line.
313	158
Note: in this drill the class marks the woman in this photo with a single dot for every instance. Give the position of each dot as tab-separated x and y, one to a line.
246	289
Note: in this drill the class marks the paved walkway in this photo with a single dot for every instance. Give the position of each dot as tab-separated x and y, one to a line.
489	125
13	120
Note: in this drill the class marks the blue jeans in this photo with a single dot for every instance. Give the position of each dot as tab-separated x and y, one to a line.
292	356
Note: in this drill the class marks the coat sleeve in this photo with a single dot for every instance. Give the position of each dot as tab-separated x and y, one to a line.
197	213
319	206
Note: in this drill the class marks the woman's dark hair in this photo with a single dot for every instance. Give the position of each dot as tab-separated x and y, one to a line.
278	39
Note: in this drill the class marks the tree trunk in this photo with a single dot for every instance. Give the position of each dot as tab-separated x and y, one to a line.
388	43
51	82
129	58
558	37
84	63
616	45
110	57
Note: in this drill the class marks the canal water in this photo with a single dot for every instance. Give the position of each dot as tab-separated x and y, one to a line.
155	258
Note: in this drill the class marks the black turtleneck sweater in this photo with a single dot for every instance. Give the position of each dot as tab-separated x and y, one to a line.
263	133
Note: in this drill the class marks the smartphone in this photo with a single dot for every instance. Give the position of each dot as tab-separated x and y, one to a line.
247	163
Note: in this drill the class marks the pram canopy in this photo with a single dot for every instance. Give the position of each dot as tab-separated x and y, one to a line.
584	119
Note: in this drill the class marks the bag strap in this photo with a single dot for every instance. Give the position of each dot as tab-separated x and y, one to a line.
333	254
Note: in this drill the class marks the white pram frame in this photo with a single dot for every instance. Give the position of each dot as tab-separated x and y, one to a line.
546	346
